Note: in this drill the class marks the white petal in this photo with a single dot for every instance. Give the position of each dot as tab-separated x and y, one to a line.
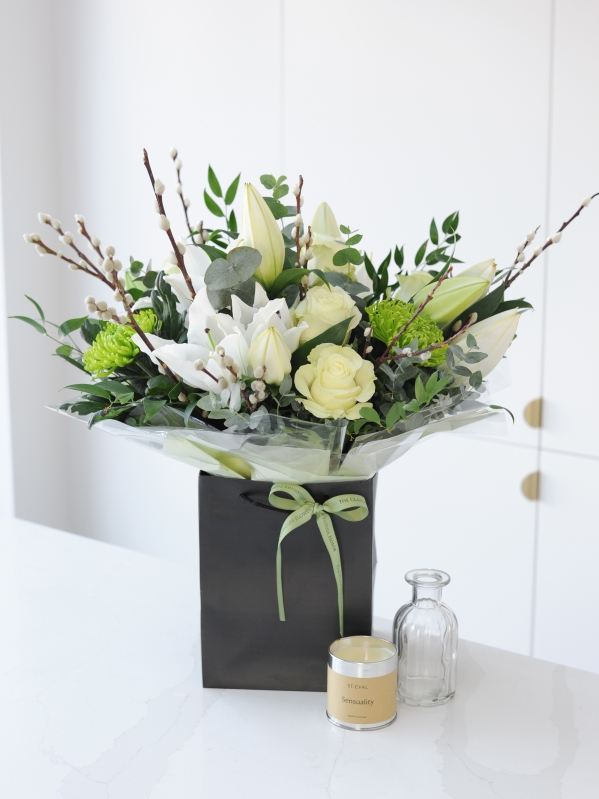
260	296
292	336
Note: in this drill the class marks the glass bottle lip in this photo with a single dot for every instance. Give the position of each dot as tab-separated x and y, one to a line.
427	578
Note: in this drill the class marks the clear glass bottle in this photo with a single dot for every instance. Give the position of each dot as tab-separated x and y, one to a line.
425	632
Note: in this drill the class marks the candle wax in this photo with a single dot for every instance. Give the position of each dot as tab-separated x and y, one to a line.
364	653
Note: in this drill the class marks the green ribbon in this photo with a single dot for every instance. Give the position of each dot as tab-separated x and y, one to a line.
351	507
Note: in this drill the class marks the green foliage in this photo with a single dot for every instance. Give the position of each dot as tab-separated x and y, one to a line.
239	266
215	208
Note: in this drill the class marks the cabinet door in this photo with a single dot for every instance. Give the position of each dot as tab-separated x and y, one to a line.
402	111
455	503
567	602
571	423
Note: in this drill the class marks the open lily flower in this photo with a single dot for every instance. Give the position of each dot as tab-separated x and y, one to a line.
196	263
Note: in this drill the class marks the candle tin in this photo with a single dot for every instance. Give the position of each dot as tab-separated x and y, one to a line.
362	683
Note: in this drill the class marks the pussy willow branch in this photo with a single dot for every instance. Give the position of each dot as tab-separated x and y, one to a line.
508	282
115	286
298	208
385	356
169	232
516	261
175	158
471	320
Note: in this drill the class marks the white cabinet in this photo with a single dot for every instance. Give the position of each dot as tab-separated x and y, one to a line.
571	377
567	600
454	503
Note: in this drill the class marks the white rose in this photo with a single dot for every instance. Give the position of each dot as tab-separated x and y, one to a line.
322	308
336	383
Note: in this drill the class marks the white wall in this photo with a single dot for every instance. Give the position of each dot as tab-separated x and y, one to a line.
393	112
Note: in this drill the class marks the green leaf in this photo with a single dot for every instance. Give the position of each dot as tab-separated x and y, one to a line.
457	351
212	206
398	257
345	282
463	371
277	209
136	267
345	230
508	305
476	379
286	385
72	361
280	191
420	253
90	388
396	412
324	276
340	258
334	335
286	278
268	181
420	391
501	408
239	266
152	407
449	359
70	326
354	240
471	341
434	233
474	357
149	279
233	222
450	224
64	350
85	407
32	322
188	411
370	415
346	255
213	182
38	308
161	384
116	389
212	252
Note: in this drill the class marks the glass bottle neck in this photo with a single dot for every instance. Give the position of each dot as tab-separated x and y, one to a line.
421	593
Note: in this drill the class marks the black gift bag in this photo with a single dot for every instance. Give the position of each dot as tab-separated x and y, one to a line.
244	644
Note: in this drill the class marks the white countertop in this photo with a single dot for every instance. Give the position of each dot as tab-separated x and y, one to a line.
101	698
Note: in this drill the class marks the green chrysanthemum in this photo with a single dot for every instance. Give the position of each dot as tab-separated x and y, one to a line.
387	317
113	346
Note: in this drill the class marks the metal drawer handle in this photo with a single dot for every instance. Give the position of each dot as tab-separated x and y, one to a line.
530	486
533	413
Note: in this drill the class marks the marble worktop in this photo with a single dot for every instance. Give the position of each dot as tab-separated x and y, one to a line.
101	698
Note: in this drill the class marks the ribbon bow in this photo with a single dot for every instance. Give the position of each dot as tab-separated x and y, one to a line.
351	507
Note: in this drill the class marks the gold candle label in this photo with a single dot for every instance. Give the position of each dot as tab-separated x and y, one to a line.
361	700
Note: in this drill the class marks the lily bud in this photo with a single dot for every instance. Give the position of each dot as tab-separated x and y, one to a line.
493	337
260	231
484	269
452	297
271	351
326	236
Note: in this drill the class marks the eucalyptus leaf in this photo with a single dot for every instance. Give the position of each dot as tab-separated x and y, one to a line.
268	181
239	266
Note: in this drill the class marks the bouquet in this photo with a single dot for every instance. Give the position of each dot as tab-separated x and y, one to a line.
279	349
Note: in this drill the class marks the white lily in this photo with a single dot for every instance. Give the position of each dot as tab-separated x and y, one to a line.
485	269
258	335
196	264
326	236
493	337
